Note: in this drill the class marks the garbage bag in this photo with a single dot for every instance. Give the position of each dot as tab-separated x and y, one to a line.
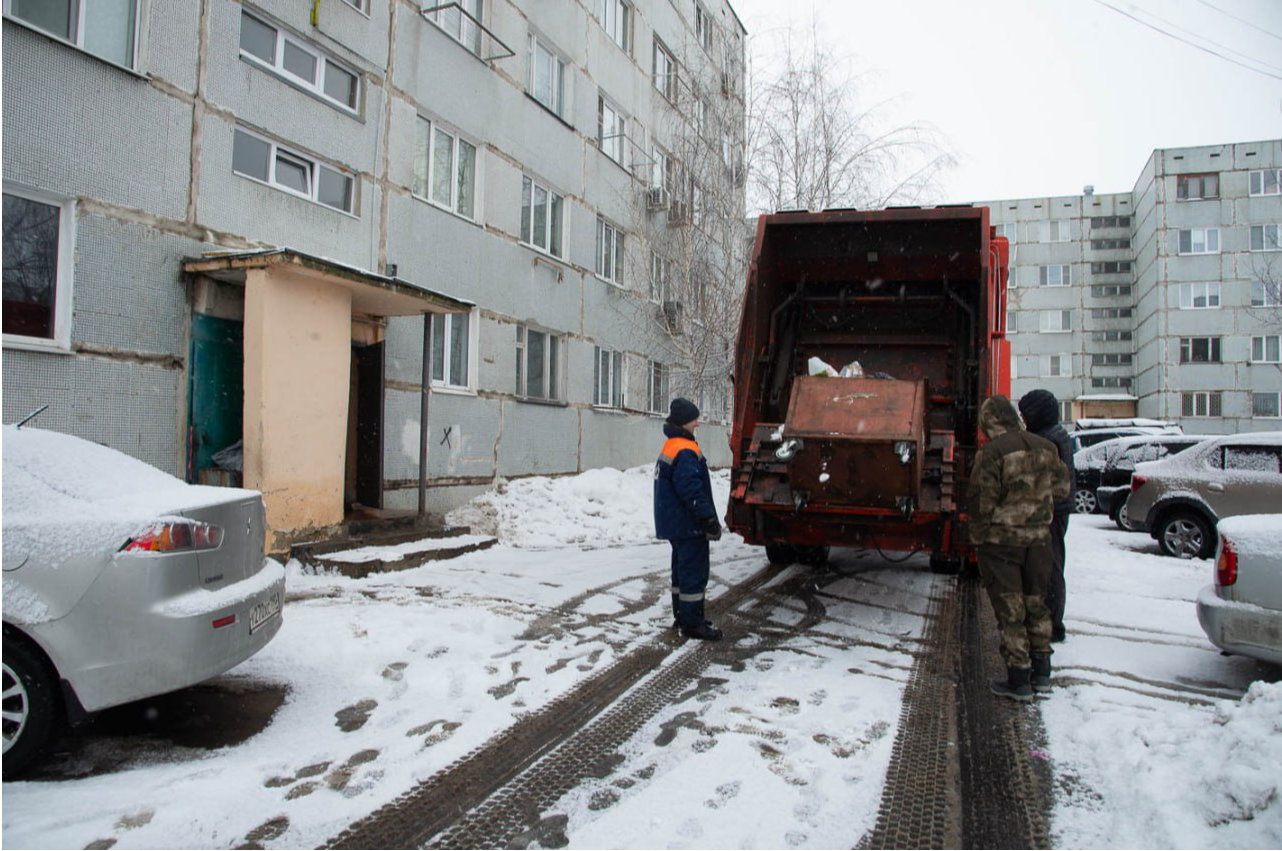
852	370
232	458
819	367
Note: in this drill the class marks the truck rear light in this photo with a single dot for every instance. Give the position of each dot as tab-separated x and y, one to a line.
1226	564
175	537
1137	482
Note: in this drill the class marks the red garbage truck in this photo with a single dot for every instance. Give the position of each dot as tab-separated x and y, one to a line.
868	341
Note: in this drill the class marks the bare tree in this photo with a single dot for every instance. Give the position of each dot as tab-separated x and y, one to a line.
812	145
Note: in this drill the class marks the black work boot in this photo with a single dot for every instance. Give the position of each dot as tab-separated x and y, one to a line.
1040	678
704	632
1015	686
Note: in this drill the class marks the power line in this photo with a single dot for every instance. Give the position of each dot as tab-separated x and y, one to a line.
1243	20
1208	40
1186	41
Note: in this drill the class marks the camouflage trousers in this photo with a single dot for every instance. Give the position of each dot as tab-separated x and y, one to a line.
1016	579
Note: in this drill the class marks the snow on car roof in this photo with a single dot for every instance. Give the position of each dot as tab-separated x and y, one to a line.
64	495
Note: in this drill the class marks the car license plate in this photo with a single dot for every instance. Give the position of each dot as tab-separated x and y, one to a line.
262	612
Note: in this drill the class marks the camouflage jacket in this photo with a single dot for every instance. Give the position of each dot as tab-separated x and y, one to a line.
1015	481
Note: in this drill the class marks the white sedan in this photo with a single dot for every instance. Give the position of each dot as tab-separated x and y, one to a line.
1242	612
120	582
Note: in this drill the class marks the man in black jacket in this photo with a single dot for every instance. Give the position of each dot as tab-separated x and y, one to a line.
1040	410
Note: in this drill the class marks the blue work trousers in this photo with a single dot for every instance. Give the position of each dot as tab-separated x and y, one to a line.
690	567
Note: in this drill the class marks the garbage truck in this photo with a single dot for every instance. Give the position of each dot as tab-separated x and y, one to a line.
868	341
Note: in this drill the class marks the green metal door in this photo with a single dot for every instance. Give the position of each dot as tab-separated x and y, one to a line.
216	390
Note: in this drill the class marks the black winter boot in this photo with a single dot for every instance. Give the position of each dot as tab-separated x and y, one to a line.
704	632
1040	678
1015	686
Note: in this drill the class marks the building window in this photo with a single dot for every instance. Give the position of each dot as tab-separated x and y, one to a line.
1056	366
703	26
616	18
1199	296
611	130
1110	290
1109	244
451	348
1266	349
538	364
665	71
106	28
658	392
1200	241
542	217
461	23
1192	187
358	5
662	174
660	278
1110	336
298	62
264	160
1056	276
1200	405
1266	405
1264	237
607	378
1266	294
547	76
1199	350
445	169
39	252
1111	222
1120	359
1110	267
609	252
1006	229
1056	321
1110	313
1012	322
1111	381
1266	182
1056	230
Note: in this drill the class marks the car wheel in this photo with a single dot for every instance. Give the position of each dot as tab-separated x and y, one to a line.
1084	501
1184	534
1123	516
780	554
30	706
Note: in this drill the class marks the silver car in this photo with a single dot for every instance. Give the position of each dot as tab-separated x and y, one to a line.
1179	499
120	582
1242	611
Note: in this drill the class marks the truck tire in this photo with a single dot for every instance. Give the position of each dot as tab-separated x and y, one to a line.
31	706
813	556
780	554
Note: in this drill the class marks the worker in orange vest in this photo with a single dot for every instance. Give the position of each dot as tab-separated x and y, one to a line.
685	516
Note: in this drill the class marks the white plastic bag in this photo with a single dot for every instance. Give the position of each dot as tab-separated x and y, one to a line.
852	370
819	367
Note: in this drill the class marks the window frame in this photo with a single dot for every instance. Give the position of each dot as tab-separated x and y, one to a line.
432	127
473	27
314	165
1266	293
1255	405
660	278
703	27
612	239
1206	400
1056	365
616	141
558	85
1002	228
1056	230
1263	348
669	89
1188	293
77	27
1065	322
615	397
526	238
1065	276
621	12
553	374
64	273
1206	241
323	61
658	387
1189	350
1264	242
1185	183
446	364
1252	182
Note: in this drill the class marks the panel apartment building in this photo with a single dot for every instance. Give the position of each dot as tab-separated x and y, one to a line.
1161	302
228	220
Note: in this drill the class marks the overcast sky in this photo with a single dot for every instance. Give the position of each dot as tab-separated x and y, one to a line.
1041	98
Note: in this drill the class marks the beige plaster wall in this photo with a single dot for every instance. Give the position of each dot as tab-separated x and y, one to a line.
298	338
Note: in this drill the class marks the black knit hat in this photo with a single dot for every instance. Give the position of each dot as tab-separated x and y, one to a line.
1040	409
682	411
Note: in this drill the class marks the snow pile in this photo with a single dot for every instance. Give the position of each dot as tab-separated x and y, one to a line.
597	508
52	478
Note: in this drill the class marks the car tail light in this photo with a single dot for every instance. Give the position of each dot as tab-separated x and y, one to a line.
175	537
1226	564
1137	482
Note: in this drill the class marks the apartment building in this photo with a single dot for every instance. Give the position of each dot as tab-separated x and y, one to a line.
1161	302
279	223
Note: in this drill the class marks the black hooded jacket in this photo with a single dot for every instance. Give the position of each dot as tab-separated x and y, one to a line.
1041	417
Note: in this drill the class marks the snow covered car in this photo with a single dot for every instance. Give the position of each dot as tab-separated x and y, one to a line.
1114	488
120	582
1179	499
1242	612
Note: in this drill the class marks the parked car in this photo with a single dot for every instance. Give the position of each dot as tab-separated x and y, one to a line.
1114	486
1242	611
1182	498
120	582
1088	464
1090	431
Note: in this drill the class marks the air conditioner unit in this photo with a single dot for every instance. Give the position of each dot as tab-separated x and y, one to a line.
670	315
656	198
678	213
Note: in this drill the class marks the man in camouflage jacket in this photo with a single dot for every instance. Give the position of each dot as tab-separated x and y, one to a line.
1013	486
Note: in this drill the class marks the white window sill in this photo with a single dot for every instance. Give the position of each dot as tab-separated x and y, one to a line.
300	196
437	205
36	344
452	390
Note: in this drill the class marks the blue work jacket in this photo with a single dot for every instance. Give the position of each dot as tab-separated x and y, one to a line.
682	488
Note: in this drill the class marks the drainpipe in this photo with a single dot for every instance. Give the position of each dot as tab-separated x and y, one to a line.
422	421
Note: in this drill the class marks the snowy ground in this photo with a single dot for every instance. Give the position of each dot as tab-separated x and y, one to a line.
393	677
